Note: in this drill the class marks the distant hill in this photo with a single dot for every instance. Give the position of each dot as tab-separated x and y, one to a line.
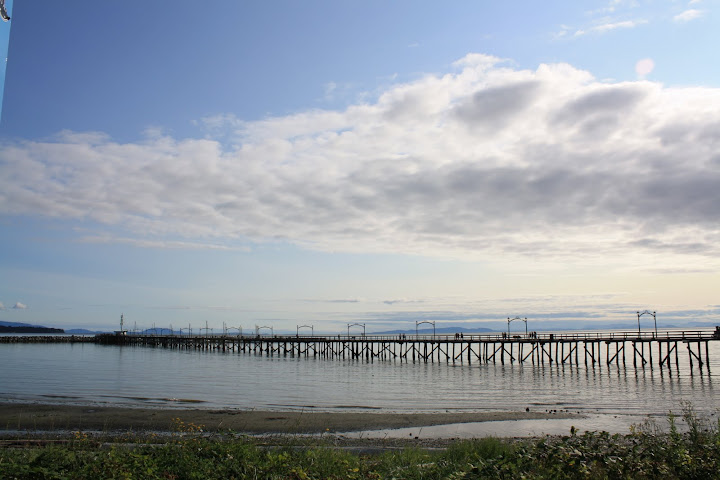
15	324
623	327
438	331
162	331
82	331
43	329
29	329
703	324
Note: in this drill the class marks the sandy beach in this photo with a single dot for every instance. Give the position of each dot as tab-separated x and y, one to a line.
36	417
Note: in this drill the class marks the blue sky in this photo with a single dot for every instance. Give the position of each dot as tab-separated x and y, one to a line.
4	40
326	163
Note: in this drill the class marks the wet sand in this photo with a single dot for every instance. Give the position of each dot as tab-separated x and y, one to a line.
36	417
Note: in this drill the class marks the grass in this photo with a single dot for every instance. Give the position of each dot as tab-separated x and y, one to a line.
690	449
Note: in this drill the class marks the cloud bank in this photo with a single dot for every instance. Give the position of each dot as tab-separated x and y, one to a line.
484	161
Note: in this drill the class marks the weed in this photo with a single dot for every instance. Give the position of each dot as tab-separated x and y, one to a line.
690	449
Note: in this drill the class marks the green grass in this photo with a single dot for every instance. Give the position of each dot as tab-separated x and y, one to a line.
187	454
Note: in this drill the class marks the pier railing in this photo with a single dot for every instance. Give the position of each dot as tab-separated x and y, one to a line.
489	337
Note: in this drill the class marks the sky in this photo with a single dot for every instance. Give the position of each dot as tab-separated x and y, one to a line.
323	163
4	40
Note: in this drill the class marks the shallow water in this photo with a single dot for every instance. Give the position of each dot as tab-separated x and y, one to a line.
140	376
518	428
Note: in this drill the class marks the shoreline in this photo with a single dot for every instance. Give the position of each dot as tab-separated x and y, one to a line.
45	417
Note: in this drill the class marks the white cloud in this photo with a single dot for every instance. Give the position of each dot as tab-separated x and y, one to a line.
19	306
2	307
478	61
613	6
484	161
610	26
330	89
688	15
405	301
162	243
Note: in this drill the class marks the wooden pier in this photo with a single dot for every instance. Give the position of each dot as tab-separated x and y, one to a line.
638	349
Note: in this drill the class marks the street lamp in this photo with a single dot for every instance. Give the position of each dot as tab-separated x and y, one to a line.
424	321
647	312
517	318
312	330
356	325
238	328
207	330
257	330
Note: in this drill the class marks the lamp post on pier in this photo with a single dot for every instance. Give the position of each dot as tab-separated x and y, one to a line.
238	328
356	325
647	312
312	330
510	320
257	330
424	321
207	329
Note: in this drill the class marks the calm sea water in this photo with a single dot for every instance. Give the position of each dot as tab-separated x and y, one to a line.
92	374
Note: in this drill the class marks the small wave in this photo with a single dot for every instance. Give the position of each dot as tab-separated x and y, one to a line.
294	407
155	399
361	407
184	400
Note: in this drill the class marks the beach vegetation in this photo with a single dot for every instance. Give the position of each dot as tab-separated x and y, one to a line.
688	447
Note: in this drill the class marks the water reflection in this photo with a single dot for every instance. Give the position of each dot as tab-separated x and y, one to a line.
94	374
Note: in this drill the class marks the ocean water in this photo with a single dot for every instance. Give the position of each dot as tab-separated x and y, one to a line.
91	374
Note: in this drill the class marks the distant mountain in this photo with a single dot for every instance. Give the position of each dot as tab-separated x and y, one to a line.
438	331
29	329
14	324
82	331
162	331
624	327
74	331
703	324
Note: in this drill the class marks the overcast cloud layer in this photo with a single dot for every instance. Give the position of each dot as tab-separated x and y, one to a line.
483	161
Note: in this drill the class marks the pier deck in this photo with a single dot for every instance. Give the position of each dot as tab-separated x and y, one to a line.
640	349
